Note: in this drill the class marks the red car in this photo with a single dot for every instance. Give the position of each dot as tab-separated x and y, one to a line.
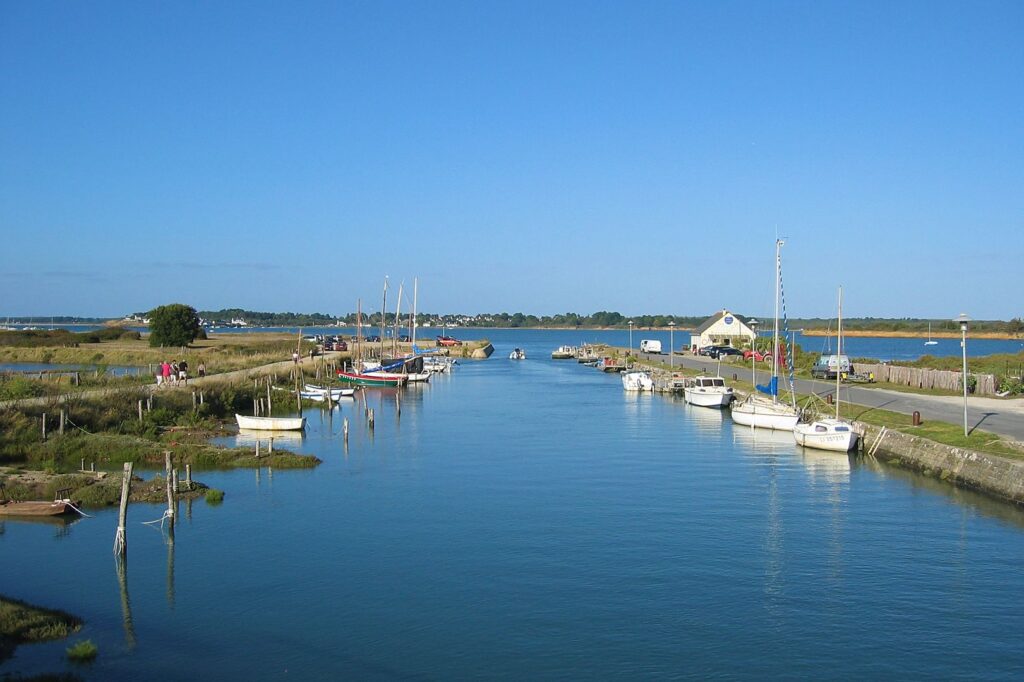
448	341
757	355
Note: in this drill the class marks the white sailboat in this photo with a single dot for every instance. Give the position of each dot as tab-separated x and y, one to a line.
930	341
768	413
830	433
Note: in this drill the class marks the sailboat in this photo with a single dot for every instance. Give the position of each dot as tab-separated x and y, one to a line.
757	410
357	375
930	341
830	433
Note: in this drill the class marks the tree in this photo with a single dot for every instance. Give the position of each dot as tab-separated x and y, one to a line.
173	325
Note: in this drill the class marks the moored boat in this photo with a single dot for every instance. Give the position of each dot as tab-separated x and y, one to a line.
611	365
324	391
637	381
371	378
270	423
517	354
707	392
564	353
826	434
61	505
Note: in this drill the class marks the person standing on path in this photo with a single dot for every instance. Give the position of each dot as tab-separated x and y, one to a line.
183	372
165	372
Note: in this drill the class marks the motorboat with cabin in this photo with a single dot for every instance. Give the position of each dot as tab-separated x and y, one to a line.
637	381
708	392
517	354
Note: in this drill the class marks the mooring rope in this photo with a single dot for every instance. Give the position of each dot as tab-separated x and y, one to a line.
119	541
78	510
168	514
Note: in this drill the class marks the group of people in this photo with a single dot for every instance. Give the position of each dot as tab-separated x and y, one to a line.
173	373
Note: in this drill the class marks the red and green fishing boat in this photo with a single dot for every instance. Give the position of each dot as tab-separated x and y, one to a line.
371	379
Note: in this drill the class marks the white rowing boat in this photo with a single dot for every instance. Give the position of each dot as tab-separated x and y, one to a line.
271	423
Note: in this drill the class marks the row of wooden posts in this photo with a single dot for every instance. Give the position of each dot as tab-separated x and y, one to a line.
918	377
172	487
143	405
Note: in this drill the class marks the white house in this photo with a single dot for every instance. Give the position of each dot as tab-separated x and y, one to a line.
722	329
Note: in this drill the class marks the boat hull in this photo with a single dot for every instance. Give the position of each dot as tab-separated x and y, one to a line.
271	423
703	397
36	509
824	436
764	415
376	379
637	381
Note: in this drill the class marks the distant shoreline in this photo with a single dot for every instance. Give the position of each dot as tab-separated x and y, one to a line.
913	334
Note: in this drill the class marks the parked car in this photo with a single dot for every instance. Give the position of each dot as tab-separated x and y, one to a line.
335	345
709	351
727	351
448	341
404	338
757	355
373	339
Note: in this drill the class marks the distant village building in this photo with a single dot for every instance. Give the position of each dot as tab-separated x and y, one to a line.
722	329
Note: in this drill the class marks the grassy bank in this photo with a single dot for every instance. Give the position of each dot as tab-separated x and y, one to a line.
22	623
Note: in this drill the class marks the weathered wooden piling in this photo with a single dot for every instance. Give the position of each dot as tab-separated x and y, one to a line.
63	420
121	537
257	449
344	429
174	481
168	474
44	427
369	419
188	477
140	411
270	446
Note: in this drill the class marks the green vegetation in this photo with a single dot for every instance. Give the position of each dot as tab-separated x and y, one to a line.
107	432
21	623
173	325
83	652
214	496
62	338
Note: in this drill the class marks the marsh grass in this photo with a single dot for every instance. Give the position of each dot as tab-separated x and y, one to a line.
22	623
83	652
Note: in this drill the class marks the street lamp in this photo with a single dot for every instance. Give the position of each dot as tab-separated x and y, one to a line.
963	320
631	337
752	323
671	344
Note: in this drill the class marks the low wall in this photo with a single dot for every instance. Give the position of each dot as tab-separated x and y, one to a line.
927	378
996	476
483	352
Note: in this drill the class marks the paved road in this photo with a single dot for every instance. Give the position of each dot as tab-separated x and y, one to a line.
1004	417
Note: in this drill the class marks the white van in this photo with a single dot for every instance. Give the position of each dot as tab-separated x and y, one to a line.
827	366
650	346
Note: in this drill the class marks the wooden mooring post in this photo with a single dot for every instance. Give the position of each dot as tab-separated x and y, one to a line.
369	419
140	410
188	477
270	446
168	475
44	427
344	429
121	537
63	420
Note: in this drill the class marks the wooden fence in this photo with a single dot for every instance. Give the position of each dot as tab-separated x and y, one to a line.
916	377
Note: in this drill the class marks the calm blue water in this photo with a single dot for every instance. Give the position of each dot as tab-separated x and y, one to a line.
529	520
881	348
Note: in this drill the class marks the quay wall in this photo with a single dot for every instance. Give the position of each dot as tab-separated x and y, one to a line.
990	474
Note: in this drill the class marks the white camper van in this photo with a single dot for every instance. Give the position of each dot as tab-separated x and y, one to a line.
650	346
827	366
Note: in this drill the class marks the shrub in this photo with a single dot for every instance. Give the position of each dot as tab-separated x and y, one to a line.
214	496
83	651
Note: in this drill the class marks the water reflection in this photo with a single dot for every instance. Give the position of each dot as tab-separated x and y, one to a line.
249	437
705	418
832	467
763	441
121	568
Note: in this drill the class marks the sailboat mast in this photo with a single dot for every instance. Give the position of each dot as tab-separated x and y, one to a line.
394	334
839	348
775	329
383	316
359	336
412	317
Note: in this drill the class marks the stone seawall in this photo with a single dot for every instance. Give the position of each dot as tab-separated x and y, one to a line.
483	352
996	476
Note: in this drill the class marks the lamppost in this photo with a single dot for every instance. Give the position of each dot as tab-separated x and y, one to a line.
671	345
752	323
631	337
963	320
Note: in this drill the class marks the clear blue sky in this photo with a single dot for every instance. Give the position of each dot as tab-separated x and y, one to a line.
540	157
